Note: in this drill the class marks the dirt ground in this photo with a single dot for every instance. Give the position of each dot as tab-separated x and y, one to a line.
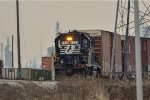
77	88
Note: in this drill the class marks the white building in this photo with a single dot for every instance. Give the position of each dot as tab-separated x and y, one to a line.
8	55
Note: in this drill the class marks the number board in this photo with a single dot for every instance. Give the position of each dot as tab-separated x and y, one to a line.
72	47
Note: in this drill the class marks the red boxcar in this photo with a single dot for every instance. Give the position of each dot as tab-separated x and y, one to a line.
145	53
102	48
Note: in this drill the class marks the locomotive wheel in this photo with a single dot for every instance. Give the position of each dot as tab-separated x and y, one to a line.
69	71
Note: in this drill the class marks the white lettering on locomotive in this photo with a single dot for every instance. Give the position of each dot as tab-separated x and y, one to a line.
69	42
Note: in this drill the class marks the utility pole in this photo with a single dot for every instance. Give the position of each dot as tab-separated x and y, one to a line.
139	88
12	51
114	41
18	40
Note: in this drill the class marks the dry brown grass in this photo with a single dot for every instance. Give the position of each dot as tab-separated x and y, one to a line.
81	90
74	88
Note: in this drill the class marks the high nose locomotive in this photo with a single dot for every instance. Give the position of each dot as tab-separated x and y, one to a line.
72	50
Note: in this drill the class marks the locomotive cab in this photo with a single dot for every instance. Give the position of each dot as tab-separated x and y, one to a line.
72	49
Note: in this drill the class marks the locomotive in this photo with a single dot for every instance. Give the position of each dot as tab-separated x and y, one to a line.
72	52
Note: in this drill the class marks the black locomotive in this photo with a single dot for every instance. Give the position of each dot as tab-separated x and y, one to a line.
72	50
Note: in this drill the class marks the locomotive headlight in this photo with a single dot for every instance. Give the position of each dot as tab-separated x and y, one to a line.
69	38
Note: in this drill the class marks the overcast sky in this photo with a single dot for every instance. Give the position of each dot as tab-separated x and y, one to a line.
38	21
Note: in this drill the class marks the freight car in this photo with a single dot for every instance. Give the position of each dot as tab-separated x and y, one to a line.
99	42
73	53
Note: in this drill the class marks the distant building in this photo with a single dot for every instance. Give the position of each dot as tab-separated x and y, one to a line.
144	30
8	55
147	32
57	29
50	51
1	58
